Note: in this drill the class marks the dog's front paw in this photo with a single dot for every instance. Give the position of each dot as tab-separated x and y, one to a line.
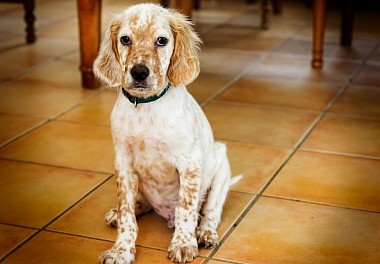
111	217
183	248
207	237
118	256
182	253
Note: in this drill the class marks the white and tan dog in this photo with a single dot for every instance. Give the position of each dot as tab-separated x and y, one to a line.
166	156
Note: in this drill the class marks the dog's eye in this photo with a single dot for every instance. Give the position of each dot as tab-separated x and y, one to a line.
125	40
161	41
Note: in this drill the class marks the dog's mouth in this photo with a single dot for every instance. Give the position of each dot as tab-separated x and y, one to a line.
140	87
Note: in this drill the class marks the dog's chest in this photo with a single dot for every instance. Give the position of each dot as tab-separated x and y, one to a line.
158	178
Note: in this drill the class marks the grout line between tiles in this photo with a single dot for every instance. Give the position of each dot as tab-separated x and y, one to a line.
82	123
40	124
228	261
269	107
79	200
351	155
21	226
248	69
55	166
321	203
98	239
355	116
78	235
36	66
48	120
57	217
344	87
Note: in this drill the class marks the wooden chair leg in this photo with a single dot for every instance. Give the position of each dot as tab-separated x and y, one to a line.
186	7
266	9
165	3
89	35
347	23
319	20
277	6
29	19
197	4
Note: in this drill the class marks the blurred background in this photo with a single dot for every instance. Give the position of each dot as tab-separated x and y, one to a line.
291	86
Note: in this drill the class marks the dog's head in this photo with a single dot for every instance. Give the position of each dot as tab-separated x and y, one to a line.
147	46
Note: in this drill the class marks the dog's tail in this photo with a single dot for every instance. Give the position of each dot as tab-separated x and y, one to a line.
235	179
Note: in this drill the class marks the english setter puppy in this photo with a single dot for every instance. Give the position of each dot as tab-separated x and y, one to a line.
166	156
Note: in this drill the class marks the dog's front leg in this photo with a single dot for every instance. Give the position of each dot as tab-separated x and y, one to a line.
123	251
184	247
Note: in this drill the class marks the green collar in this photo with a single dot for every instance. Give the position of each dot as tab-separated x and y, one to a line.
140	100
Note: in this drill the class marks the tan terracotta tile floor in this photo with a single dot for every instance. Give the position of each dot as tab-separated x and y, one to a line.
281	231
307	142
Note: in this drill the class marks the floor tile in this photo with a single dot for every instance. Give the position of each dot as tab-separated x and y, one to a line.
33	98
20	63
12	126
206	85
241	38
332	48
11	237
153	230
280	25
256	163
67	28
52	75
257	125
280	231
32	195
298	68
329	179
362	29
153	224
215	60
84	220
303	95
375	57
47	247
94	111
359	101
345	135
24	56
65	144
369	75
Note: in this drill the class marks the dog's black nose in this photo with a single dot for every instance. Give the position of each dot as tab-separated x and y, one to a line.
140	72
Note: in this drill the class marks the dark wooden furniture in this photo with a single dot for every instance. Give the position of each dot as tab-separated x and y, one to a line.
89	30
186	6
89	36
267	6
319	23
28	17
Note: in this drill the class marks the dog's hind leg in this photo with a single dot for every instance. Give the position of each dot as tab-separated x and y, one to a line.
212	209
142	206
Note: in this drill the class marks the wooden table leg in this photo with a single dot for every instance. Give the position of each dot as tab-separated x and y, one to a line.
89	35
319	20
277	6
185	6
266	10
347	23
29	19
165	3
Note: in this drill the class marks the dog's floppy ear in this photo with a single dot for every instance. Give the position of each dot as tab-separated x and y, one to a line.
107	65
184	63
